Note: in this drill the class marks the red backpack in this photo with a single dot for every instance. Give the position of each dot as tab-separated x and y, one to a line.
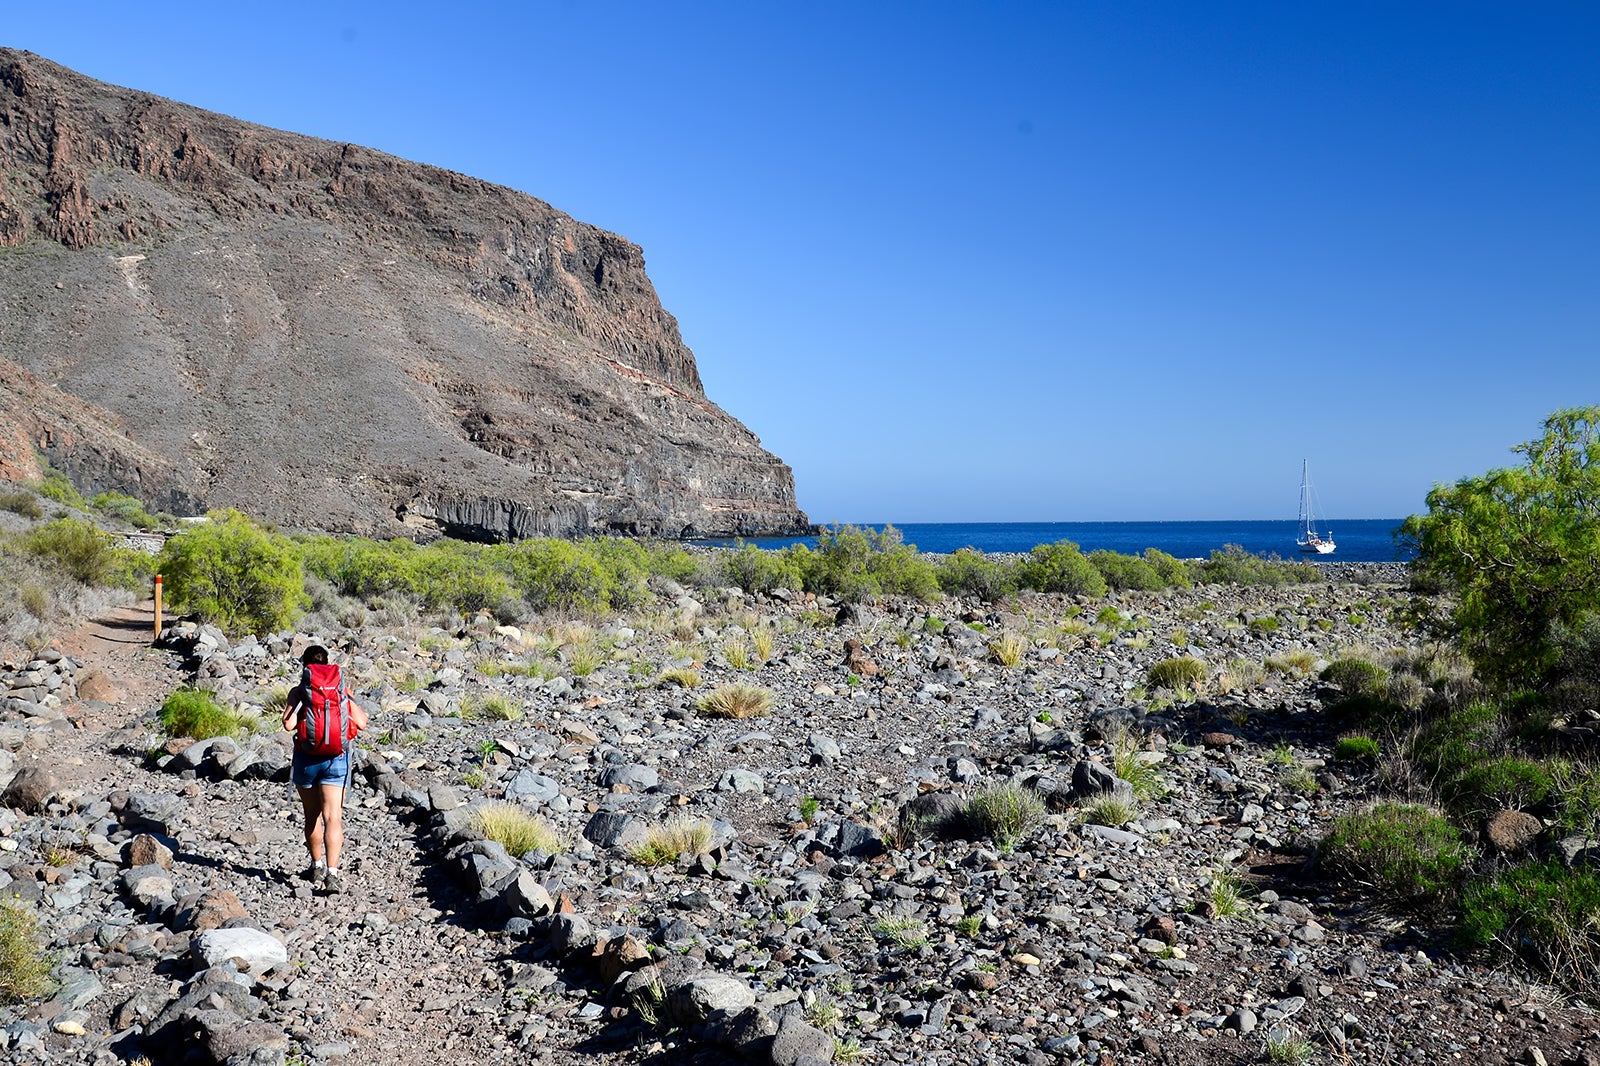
324	713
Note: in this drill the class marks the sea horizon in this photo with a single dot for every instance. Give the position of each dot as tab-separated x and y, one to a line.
1358	540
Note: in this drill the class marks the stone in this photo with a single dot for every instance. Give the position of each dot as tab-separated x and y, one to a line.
613	829
824	750
1091	780
257	951
741	781
1162	928
631	776
797	1039
30	790
1512	831
1215	741
210	910
157	812
97	685
858	841
146	850
695	1000
528	786
526	897
1243	1021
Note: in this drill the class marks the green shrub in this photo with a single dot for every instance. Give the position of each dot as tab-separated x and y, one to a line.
24	968
754	570
1173	572
191	713
1517	548
58	487
1231	564
519	830
457	575
1125	571
125	508
1184	671
1265	625
1444	746
1541	910
969	572
1405	849
1005	813
77	548
491	705
1060	567
557	575
1495	784
234	573
23	503
1358	749
1357	677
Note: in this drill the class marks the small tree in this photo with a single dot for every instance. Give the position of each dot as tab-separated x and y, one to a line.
235	574
1520	548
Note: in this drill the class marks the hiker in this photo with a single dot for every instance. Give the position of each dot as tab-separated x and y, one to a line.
323	728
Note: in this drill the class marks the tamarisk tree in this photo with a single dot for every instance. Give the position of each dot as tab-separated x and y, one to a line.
1520	549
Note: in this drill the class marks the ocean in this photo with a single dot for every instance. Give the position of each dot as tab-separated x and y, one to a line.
1362	540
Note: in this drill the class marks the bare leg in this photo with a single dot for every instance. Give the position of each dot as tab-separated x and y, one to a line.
312	800
332	804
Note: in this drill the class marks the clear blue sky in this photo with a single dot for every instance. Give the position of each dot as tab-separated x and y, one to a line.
1012	261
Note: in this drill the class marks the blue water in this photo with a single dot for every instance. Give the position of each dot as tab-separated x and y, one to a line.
1366	540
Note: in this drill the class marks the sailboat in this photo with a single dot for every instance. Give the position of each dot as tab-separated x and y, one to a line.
1309	540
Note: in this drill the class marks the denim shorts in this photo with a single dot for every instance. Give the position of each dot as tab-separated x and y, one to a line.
308	771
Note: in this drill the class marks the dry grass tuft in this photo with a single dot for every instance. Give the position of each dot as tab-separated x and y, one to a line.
737	700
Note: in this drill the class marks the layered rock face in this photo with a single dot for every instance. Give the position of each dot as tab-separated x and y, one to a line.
336	339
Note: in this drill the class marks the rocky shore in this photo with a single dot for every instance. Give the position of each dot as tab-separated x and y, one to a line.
843	910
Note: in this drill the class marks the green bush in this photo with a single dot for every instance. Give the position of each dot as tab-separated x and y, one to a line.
969	572
21	502
1357	677
1541	910
1495	784
1231	564
558	575
1517	548
234	573
1060	567
191	713
1358	749
1125	571
1173	572
458	575
1446	745
79	549
58	487
1264	625
756	570
1406	849
125	508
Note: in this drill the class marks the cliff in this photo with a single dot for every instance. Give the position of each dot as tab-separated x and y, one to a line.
334	338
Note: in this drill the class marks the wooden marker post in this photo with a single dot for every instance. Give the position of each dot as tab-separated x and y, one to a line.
158	607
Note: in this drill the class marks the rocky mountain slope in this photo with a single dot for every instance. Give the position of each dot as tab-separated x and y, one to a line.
818	926
330	337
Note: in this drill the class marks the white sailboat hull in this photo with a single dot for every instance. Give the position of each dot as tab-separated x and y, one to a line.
1311	542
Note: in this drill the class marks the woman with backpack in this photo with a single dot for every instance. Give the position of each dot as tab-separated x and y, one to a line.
324	720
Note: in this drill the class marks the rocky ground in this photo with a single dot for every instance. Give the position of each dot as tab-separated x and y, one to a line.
820	925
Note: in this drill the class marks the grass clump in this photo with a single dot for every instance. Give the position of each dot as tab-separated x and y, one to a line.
24	969
762	641
493	706
1264	626
908	933
519	830
737	700
1290	1049
192	713
1008	648
1005	813
1356	749
1110	811
681	676
668	843
1184	671
1407	849
737	654
1226	895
